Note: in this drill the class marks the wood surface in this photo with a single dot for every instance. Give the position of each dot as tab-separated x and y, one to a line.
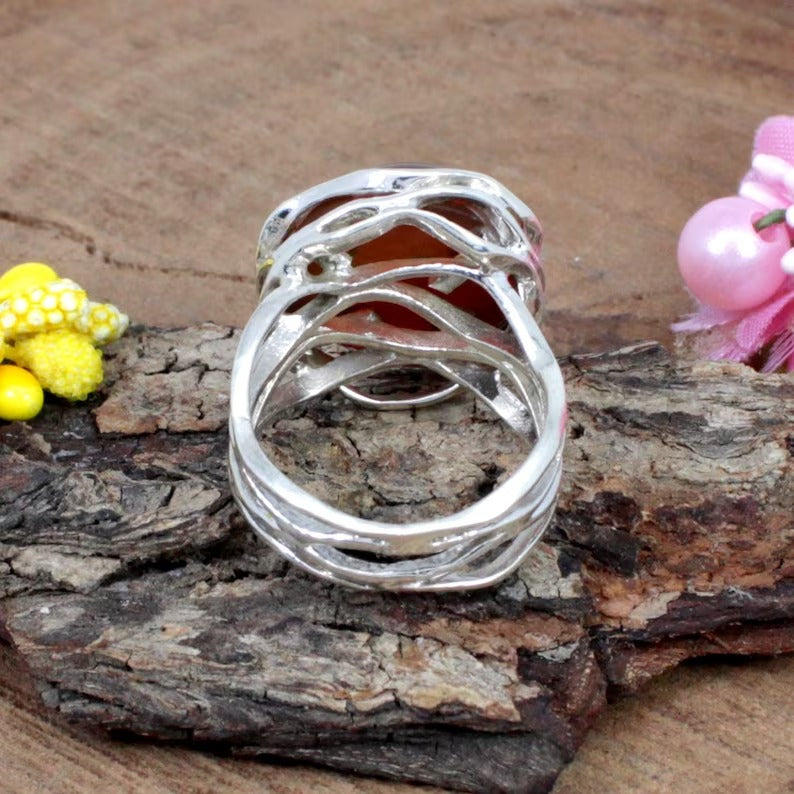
141	602
141	146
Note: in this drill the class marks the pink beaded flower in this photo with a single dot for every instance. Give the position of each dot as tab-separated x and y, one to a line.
736	256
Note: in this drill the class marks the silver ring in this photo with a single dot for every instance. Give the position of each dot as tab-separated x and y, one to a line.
346	293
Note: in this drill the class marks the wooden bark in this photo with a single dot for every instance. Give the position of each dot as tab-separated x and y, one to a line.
141	602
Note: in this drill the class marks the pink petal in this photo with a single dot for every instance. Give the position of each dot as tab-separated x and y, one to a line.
776	136
770	195
727	351
758	326
781	350
706	318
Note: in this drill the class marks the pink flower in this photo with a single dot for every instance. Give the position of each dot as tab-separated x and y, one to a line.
765	182
768	327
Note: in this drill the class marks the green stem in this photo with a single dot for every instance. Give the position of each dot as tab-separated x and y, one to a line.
771	218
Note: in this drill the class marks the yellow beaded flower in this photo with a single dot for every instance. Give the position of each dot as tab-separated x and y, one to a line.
56	304
65	362
103	322
49	327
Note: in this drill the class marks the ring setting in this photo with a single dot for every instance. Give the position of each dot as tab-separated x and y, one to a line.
395	270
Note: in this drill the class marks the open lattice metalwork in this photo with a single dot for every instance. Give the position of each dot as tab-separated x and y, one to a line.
347	294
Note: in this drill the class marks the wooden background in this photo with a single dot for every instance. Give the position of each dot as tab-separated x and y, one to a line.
142	144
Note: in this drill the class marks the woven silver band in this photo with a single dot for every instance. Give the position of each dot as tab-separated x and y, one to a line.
315	331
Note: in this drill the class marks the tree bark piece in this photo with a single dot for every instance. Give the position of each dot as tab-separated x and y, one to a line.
143	603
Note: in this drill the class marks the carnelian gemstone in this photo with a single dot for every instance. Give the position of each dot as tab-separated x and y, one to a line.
410	243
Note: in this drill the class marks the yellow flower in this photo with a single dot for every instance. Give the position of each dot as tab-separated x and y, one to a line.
50	327
103	322
22	277
42	307
65	362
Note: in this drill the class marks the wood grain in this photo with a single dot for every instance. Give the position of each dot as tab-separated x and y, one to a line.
141	146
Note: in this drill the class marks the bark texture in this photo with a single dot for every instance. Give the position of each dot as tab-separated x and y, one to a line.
141	601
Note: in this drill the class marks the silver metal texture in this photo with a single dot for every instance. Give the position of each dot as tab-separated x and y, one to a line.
317	329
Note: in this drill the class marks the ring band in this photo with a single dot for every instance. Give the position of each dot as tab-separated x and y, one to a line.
399	268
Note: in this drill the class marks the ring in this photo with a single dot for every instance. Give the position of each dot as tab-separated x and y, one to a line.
393	271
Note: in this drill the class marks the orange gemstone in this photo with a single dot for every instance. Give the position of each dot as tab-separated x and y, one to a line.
408	243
